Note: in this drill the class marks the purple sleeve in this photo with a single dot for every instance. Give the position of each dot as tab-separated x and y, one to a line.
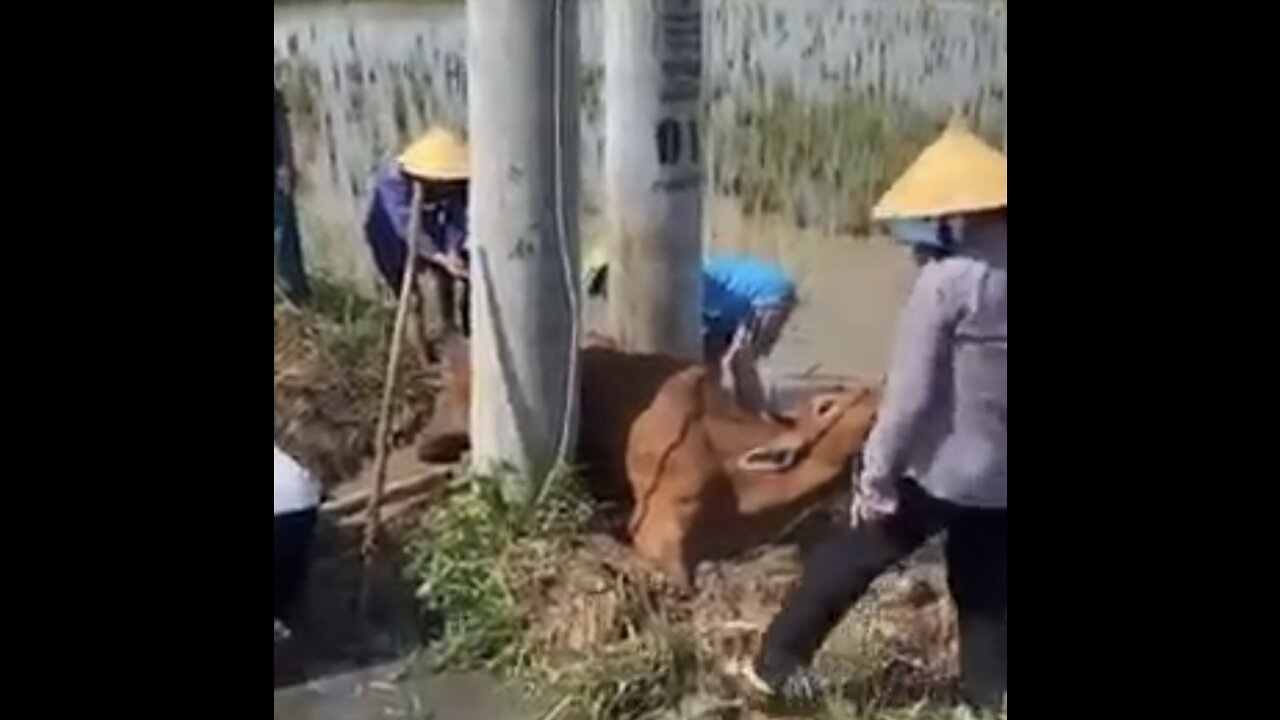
919	354
455	228
395	194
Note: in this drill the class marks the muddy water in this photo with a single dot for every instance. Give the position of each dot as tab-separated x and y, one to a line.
850	292
402	690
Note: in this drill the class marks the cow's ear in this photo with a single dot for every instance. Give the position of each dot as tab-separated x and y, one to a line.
778	456
826	406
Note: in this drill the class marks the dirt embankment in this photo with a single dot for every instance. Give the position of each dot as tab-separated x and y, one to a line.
595	605
328	384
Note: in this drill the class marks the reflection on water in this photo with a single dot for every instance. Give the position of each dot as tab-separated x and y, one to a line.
810	101
368	693
403	690
332	643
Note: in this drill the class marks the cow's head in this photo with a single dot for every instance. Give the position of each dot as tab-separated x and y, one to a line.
825	432
711	480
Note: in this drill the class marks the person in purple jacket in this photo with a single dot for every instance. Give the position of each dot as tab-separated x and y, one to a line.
936	462
438	160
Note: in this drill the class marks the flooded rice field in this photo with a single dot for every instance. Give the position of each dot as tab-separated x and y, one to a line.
812	104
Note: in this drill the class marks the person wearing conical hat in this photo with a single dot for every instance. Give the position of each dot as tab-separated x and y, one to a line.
937	459
439	160
746	303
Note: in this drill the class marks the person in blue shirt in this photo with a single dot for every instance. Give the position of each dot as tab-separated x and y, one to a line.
746	304
438	160
290	272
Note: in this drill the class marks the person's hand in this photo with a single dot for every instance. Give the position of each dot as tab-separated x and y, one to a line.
455	266
742	344
451	264
870	508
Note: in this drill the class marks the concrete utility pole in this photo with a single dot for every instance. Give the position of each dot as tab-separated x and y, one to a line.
523	78
654	173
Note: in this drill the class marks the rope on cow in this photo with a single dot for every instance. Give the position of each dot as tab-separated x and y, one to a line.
686	425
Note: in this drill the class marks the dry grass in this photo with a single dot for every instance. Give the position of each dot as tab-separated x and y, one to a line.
539	596
584	628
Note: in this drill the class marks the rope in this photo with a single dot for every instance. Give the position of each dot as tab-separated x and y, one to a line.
568	418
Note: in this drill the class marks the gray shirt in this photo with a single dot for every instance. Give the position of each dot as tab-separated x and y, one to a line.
944	420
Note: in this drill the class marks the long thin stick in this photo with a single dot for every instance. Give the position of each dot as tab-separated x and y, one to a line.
391	510
374	518
421	483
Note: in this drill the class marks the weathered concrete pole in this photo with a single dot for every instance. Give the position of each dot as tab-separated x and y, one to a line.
654	172
523	79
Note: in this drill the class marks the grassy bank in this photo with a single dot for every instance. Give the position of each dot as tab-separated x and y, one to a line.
537	597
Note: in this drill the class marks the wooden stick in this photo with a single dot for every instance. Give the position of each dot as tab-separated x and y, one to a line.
426	481
373	519
392	511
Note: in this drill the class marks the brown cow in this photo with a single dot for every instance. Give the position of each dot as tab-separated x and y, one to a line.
711	480
704	478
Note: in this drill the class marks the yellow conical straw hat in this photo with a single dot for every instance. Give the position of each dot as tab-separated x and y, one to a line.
438	155
958	173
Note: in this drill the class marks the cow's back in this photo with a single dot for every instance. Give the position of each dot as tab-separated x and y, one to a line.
617	388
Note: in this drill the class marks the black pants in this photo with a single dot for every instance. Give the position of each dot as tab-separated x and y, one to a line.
839	571
293	534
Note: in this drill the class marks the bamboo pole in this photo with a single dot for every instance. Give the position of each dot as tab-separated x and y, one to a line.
423	483
391	511
373	519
